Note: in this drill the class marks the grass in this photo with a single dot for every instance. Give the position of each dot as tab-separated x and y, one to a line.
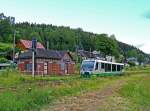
19	92
134	95
138	92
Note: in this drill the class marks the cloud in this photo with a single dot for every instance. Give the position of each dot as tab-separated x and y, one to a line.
140	45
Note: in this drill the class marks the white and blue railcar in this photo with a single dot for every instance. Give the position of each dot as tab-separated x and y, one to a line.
100	67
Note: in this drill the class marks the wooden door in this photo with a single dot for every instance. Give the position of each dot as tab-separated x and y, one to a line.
45	68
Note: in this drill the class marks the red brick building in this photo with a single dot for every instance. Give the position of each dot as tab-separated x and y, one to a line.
47	62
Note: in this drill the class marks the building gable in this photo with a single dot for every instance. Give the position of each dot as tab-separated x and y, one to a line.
66	58
26	44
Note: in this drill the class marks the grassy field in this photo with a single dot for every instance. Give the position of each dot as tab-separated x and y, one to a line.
19	92
137	91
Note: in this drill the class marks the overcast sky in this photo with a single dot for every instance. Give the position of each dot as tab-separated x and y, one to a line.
129	20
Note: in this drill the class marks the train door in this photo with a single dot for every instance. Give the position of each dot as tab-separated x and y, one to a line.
96	70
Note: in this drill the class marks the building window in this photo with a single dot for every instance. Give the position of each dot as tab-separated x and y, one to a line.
28	67
62	66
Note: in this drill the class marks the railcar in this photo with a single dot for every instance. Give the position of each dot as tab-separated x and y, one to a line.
100	68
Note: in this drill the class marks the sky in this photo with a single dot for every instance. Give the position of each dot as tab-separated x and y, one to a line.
128	20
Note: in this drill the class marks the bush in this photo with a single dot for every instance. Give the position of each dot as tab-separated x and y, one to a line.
3	60
131	63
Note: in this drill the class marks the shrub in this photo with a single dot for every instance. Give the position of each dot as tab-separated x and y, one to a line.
3	60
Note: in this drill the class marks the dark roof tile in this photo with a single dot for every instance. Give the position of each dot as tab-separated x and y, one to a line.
41	53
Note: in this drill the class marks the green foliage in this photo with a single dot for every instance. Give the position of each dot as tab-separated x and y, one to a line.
4	47
65	38
20	92
132	53
5	31
141	58
3	60
131	63
138	92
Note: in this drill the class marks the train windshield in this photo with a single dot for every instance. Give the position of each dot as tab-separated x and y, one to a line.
88	65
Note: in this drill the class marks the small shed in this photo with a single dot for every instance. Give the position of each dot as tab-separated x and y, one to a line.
47	62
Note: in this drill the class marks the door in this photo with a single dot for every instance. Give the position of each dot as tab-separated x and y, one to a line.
45	68
66	68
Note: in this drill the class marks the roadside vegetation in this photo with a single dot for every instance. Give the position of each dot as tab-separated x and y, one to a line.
134	95
20	92
137	91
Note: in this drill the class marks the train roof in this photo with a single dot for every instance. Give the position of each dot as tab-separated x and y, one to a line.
104	61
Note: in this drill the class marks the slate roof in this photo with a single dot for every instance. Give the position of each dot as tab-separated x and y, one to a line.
86	54
28	44
42	53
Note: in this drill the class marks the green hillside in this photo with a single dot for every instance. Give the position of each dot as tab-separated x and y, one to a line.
66	38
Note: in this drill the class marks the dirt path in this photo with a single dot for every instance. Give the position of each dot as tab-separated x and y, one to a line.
90	101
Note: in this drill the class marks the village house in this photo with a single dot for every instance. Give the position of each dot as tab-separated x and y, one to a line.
90	55
27	44
133	60
47	62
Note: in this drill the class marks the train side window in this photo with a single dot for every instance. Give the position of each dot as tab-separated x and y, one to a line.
121	68
96	67
113	67
102	65
118	68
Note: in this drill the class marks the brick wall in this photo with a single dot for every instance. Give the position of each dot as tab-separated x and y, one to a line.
71	68
53	67
39	68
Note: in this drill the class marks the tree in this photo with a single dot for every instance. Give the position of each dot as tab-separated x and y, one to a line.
132	53
5	30
65	38
141	58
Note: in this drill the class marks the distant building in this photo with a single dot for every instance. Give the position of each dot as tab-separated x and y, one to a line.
110	58
90	55
27	44
133	59
47	62
85	54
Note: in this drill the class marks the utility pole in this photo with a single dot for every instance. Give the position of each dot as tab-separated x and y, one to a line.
33	63
90	54
14	40
47	44
34	43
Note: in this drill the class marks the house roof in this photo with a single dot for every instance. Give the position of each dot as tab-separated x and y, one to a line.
28	44
86	54
47	54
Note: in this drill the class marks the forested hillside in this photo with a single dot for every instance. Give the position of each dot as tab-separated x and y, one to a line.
66	38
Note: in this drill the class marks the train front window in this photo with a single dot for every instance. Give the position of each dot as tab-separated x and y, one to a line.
88	65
